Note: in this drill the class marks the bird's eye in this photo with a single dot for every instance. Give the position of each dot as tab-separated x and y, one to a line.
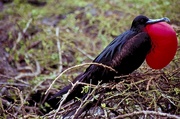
142	21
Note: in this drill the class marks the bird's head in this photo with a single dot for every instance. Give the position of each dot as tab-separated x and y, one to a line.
163	38
140	22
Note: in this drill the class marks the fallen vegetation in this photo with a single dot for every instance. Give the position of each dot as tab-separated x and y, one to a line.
39	40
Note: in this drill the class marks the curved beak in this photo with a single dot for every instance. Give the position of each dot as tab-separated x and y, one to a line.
152	21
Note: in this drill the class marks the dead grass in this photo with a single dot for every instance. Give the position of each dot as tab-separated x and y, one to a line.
147	94
30	37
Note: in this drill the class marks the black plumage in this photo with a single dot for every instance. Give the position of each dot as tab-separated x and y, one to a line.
124	54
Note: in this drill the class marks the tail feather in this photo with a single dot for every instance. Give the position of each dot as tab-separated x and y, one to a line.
61	92
76	92
92	75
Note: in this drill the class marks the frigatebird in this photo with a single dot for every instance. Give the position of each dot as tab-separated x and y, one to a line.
125	54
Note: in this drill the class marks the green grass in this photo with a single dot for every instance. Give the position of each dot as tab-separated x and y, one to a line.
89	26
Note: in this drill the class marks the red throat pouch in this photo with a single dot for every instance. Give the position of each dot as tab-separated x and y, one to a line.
164	44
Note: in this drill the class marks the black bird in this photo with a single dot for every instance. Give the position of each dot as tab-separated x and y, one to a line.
124	54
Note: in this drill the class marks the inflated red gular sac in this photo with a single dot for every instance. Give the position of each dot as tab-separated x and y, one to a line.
164	44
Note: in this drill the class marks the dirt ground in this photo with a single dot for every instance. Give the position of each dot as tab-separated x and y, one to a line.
30	58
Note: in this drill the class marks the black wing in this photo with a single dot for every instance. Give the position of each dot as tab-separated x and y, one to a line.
115	46
132	54
125	53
